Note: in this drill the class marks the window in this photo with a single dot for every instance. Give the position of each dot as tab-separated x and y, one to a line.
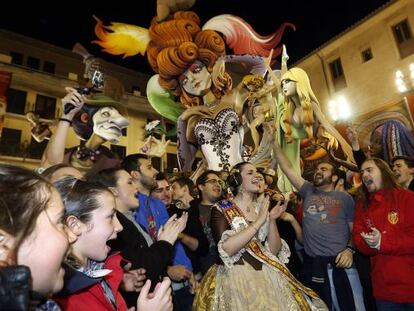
36	149
172	162
337	74
16	101
169	127
45	106
49	67
17	58
156	163
119	150
10	142
403	38
33	62
136	90
124	131
366	55
402	31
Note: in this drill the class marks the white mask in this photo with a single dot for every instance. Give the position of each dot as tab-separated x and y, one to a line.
108	124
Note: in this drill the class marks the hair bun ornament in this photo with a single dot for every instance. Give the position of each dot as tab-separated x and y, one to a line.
235	179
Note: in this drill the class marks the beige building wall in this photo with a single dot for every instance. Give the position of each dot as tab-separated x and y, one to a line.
370	85
68	72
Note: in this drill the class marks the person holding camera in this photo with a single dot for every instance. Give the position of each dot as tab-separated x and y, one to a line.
251	273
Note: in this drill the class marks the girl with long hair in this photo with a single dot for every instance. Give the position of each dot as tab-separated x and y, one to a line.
33	240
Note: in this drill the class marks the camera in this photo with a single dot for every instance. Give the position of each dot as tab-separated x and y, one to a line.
98	80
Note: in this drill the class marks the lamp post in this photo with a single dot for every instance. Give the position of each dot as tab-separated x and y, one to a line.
405	85
403	82
339	109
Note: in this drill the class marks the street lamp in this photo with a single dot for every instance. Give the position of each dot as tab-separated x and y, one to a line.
402	82
339	109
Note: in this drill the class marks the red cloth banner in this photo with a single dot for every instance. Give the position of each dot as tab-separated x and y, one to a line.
5	79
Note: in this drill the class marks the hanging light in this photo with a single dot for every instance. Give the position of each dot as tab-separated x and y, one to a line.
399	79
339	109
412	74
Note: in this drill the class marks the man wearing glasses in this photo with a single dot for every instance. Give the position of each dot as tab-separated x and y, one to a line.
210	190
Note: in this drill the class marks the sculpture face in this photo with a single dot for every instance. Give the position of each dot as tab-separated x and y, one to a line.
108	124
196	80
289	88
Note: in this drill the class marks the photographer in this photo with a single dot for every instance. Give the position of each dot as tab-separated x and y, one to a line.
95	120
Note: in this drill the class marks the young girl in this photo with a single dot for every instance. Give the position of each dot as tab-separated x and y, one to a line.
133	242
33	237
96	277
90	215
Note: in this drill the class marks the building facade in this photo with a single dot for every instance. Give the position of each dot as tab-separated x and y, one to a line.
360	68
39	74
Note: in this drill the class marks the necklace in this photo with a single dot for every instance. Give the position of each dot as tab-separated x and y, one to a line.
247	211
84	153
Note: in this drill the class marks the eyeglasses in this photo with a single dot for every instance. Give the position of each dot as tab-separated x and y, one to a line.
214	182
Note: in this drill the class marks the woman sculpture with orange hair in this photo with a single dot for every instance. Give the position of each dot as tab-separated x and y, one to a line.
190	66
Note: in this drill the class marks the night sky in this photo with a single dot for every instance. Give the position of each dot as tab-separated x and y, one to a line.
69	22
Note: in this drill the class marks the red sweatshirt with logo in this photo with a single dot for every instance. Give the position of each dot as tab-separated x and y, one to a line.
391	211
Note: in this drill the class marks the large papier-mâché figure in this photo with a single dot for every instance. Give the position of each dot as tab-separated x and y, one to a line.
190	66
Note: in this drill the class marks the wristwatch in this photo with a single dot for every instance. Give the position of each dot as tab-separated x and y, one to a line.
351	249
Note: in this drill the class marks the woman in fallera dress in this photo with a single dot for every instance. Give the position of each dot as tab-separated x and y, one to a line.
251	273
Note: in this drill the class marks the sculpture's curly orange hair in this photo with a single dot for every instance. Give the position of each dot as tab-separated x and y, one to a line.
176	44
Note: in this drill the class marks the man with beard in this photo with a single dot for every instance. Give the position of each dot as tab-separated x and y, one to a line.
327	226
384	229
152	215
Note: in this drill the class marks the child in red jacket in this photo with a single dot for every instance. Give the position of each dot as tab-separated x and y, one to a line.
93	278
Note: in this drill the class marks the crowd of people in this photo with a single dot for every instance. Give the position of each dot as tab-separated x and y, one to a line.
91	231
131	236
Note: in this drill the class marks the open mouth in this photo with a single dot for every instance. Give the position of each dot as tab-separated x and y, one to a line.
368	182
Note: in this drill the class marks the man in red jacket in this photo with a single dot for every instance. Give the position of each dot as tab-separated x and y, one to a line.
384	229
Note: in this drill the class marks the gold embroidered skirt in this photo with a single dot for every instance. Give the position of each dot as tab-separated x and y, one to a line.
243	288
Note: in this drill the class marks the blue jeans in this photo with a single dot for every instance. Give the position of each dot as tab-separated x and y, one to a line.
383	305
355	283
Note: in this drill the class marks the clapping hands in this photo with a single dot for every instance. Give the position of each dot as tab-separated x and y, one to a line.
159	300
133	280
169	232
278	210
